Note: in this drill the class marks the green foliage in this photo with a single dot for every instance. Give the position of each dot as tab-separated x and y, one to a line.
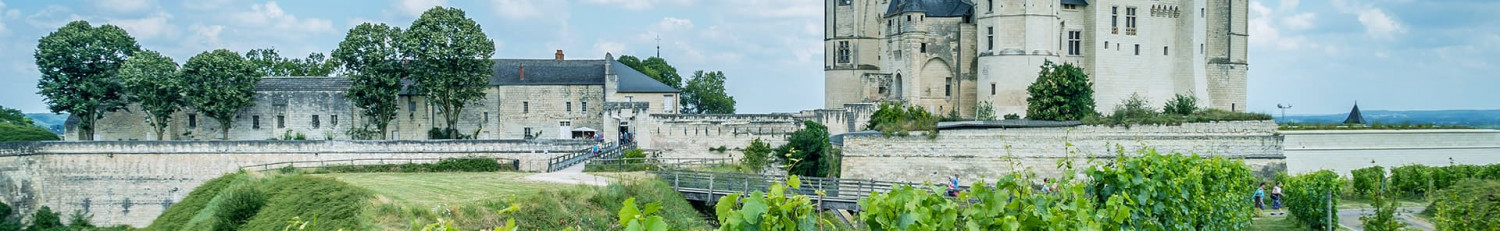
985	111
635	153
177	216
290	135
1384	218
470	164
450	60
1311	197
236	206
80	220
895	118
775	209
704	94
808	152
1411	180
633	219
79	65
12	132
370	55
1198	116
1177	191
1182	104
756	157
269	63
1367	181
45	219
1418	180
151	79
335	204
719	149
1013	203
1469	205
1061	92
219	84
655	67
1012	116
14	116
597	208
449	133
7	223
1136	106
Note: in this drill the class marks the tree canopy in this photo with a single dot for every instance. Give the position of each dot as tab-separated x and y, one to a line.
268	62
79	63
151	79
219	84
705	94
371	58
13	116
1061	92
808	152
451	60
655	67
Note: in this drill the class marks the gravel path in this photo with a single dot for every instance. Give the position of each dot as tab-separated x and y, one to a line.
570	175
1350	218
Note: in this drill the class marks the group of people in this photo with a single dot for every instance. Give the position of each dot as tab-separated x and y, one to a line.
953	187
1260	195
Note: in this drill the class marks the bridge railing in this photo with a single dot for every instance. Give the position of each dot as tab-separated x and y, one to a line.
568	160
725	183
643	164
512	163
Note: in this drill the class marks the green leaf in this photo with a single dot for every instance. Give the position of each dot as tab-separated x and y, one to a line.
628	212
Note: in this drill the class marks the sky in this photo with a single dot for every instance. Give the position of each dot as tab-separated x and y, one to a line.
1319	56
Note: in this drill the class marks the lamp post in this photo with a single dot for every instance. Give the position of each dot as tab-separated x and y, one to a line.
1283	110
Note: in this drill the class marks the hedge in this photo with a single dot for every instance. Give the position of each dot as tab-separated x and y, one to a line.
1418	180
472	164
1178	191
1470	204
1367	180
1311	197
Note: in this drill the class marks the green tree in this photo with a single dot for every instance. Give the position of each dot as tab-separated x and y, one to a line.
316	64
452	60
14	116
655	67
371	58
705	94
757	155
807	151
151	79
79	63
985	111
268	62
219	84
1061	92
1183	104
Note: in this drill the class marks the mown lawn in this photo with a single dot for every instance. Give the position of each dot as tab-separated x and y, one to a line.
433	189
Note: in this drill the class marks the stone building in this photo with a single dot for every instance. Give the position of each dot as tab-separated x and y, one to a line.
947	55
525	98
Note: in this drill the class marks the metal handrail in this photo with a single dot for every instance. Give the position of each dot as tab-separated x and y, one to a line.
514	163
716	183
561	162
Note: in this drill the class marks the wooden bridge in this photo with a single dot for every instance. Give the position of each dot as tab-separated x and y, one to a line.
838	194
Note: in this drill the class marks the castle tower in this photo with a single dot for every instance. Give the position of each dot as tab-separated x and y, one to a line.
1227	67
1015	38
852	47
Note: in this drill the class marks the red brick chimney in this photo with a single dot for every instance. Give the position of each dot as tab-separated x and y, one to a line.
559	55
523	72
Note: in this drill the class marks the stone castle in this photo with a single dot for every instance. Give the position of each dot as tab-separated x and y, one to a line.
947	55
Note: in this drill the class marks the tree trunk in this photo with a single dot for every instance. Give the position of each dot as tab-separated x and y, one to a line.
224	129
86	127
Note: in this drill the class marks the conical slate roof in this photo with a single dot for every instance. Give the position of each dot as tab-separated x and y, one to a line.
1355	117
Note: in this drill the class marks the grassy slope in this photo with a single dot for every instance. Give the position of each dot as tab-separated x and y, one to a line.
177	216
431	189
332	203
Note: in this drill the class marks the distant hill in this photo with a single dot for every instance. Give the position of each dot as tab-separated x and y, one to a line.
1473	118
49	121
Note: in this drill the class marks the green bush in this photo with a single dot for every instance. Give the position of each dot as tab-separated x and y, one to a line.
756	156
236	206
1178	191
45	219
1012	116
467	164
11	132
1182	104
1060	92
1367	180
177	216
1014	202
1311	197
1384	218
1411	180
895	118
1469	205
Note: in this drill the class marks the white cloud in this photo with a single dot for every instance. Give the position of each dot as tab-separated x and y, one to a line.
271	15
1378	24
1260	24
3	30
637	4
416	7
670	24
1301	21
52	17
778	8
204	4
517	9
206	36
604	46
123	6
153	26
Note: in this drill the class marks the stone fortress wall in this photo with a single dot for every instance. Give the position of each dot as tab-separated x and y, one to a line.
690	136
1345	150
973	153
130	182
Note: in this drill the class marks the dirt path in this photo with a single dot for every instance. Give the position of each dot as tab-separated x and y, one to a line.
570	175
1350	218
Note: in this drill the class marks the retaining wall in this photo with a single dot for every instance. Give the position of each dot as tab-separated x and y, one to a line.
1345	150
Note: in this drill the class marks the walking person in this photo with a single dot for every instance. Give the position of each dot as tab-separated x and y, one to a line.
1276	197
953	185
1260	195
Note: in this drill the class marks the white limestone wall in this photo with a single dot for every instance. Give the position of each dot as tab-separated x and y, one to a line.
1345	150
991	152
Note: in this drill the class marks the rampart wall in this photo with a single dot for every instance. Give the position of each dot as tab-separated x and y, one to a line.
1345	150
973	153
132	182
690	136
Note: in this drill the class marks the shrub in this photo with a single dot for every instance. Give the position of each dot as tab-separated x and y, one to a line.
1060	92
1384	218
45	219
334	204
1411	180
1468	205
1136	106
985	111
1012	116
177	216
1177	191
756	157
1311	197
11	132
79	219
895	118
444	134
467	164
808	153
1182	104
237	206
1367	180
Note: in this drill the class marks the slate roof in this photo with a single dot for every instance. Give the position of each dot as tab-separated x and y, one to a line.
303	83
1354	116
933	8
547	72
632	81
1075	2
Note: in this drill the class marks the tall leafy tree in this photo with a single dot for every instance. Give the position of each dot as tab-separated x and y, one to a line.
1061	92
219	84
808	152
704	94
372	60
79	64
14	116
316	64
451	57
151	79
655	67
268	62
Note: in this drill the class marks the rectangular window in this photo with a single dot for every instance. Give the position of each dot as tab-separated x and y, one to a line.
528	132
333	120
192	120
1200	48
280	121
1070	7
992	88
666	101
843	52
1163	51
989	38
565	123
1137	49
1106	44
254	122
411	106
629	98
1075	43
845	2
924	47
569	106
1130	21
584	105
315	121
525	107
948	87
991	5
486	118
1114	20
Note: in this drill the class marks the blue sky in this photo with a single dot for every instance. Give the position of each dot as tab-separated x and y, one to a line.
1319	56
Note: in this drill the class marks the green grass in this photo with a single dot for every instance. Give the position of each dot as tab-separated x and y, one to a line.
432	189
177	216
1278	224
334	204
